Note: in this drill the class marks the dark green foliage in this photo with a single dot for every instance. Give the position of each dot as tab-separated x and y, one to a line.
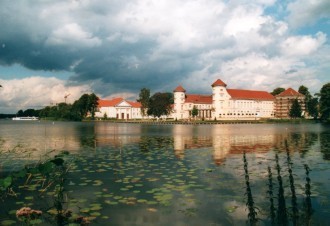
325	101
77	111
28	113
194	111
295	110
312	107
311	104
277	91
304	91
160	104
92	104
144	98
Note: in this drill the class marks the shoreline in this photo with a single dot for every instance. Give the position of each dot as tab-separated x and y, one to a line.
199	122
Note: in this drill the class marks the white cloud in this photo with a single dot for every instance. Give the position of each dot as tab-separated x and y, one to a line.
258	71
36	92
304	12
243	20
302	45
72	35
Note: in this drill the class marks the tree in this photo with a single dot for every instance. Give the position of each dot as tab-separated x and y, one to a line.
20	113
312	107
30	113
160	104
105	116
277	91
144	98
304	91
325	101
194	111
92	104
81	106
310	103
295	110
87	103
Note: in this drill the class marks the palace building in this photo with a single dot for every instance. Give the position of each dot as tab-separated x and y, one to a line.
119	108
224	103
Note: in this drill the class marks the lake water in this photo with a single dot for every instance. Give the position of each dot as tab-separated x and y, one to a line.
139	174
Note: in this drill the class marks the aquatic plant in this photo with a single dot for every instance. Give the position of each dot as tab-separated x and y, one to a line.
252	215
308	201
282	218
295	210
271	196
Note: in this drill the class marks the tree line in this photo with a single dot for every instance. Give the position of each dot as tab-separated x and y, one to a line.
317	106
156	105
85	106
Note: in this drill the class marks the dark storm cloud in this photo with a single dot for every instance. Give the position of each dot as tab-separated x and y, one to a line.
127	45
124	63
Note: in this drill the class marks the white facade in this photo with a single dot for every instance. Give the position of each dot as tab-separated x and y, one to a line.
224	104
119	109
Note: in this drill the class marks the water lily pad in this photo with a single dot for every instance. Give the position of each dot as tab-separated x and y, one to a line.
35	221
231	209
12	212
85	210
95	214
8	222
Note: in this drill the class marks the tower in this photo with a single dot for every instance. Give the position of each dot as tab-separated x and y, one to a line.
218	97
179	100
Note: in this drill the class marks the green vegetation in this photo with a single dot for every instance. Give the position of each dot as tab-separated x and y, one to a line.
194	112
311	104
277	91
295	110
83	107
144	98
325	102
160	104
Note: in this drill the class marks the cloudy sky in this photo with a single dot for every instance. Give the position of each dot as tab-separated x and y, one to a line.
53	48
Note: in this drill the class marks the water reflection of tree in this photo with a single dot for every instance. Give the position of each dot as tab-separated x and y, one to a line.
300	141
325	145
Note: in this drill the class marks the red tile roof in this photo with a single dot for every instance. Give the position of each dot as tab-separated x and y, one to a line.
135	104
198	99
289	92
110	103
114	102
179	89
250	94
219	83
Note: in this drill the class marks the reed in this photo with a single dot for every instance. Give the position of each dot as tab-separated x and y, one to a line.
252	215
282	217
295	210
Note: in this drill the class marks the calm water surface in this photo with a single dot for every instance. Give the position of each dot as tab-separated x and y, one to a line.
137	174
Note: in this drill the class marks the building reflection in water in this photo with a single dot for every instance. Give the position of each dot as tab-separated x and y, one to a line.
116	134
223	139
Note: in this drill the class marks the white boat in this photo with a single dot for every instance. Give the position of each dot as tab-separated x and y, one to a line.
28	118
